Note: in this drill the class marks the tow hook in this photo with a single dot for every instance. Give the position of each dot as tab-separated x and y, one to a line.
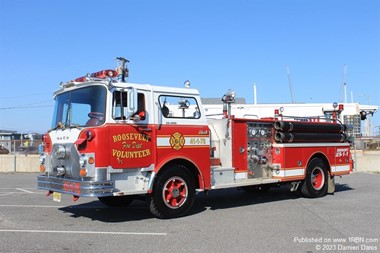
75	198
295	186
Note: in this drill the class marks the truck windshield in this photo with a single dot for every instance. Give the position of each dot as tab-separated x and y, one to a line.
80	108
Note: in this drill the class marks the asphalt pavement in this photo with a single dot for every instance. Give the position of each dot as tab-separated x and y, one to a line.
228	220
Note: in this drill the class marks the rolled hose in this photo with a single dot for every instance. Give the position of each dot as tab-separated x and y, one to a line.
309	137
287	126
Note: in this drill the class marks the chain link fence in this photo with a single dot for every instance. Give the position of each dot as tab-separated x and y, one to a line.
17	147
368	143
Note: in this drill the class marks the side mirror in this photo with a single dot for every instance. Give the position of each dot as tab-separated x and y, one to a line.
132	103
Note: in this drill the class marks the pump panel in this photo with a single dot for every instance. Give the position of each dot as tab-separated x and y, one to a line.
259	149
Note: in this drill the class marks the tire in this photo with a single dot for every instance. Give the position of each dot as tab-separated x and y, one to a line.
316	179
173	193
116	201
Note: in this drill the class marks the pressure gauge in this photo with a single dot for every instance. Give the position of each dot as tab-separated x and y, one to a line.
262	132
253	132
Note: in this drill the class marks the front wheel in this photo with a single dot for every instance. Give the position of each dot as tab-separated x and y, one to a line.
316	179
173	193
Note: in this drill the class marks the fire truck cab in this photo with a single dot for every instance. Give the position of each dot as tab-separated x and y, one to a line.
114	140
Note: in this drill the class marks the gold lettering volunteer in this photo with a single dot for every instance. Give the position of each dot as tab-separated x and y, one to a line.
130	154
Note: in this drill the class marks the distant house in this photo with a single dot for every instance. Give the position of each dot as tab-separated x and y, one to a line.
12	140
6	138
9	135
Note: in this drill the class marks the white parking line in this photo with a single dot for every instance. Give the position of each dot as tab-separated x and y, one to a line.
31	206
9	193
16	188
71	207
80	232
23	190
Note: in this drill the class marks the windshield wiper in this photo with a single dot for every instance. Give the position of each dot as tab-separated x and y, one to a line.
62	126
74	125
59	125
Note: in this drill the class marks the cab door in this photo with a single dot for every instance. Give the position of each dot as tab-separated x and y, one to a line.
131	142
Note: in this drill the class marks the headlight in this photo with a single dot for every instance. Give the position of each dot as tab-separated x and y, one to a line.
42	158
82	161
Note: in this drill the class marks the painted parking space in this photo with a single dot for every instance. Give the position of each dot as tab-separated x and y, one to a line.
223	221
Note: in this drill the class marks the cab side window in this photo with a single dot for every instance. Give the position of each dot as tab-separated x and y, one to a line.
179	107
119	106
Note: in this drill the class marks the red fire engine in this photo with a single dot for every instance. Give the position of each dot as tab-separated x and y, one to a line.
114	140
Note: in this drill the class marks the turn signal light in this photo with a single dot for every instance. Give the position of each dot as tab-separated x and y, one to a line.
42	168
91	160
83	172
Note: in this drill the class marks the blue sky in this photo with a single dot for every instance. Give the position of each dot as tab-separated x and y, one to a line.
216	45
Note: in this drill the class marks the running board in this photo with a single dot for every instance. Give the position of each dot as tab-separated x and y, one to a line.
247	182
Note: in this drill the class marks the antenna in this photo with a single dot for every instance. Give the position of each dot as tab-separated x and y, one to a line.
290	84
344	83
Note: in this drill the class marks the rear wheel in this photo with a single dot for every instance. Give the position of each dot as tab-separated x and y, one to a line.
116	201
173	193
315	183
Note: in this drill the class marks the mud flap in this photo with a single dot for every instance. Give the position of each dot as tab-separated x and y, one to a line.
331	184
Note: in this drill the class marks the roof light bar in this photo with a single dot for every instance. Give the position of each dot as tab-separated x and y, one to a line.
100	74
105	73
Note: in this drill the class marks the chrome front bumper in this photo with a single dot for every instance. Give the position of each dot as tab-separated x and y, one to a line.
76	187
